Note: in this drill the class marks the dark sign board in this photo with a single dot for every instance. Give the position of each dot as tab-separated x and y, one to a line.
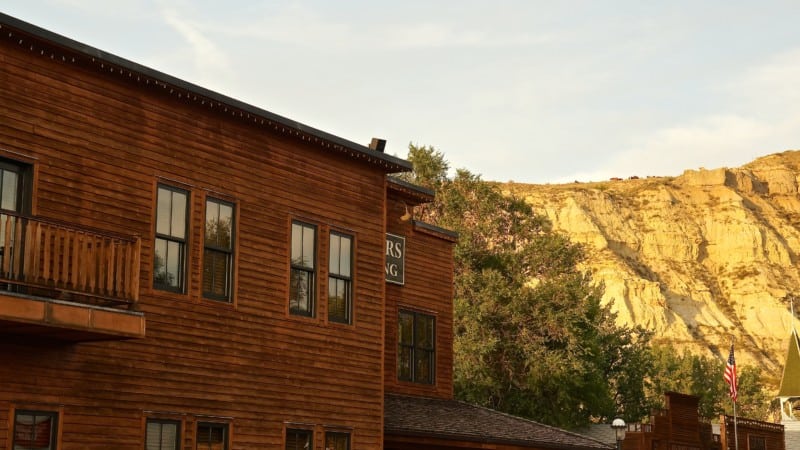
395	259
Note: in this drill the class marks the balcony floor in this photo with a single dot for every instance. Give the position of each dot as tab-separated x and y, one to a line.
63	320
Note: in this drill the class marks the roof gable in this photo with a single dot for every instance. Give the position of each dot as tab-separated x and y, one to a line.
790	384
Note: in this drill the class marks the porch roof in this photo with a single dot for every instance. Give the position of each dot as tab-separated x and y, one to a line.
456	420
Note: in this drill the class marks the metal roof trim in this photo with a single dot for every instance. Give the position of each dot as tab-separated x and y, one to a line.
392	163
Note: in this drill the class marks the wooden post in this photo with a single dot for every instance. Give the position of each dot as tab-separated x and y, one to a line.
137	251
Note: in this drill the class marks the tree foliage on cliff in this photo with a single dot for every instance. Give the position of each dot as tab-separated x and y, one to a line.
531	337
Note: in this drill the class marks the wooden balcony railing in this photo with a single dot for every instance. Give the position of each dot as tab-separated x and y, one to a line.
88	266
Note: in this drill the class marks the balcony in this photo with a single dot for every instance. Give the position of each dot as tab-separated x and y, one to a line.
63	282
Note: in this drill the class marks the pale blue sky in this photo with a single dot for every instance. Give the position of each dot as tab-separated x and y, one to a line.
530	91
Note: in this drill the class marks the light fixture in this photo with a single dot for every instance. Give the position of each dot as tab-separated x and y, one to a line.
407	216
619	427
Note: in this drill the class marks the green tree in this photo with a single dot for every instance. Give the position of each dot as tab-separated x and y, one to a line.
531	336
753	400
702	376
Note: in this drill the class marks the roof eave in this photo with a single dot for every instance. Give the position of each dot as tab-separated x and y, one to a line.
490	440
391	164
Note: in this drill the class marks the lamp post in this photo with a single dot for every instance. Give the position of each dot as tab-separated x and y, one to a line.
619	427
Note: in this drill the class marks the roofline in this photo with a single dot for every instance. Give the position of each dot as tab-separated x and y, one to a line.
413	187
552	445
488	439
392	163
442	232
410	192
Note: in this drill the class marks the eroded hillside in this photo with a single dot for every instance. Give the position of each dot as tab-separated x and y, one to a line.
696	258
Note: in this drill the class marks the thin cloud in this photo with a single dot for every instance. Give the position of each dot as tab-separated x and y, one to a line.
670	151
211	62
756	115
300	25
770	85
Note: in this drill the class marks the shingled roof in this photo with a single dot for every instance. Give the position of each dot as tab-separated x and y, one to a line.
455	420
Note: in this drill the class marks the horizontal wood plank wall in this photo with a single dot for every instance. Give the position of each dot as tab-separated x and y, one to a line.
772	435
102	141
428	288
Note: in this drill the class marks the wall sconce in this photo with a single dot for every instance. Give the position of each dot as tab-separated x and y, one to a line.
407	216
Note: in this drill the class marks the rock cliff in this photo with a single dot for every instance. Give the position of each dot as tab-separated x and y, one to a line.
699	258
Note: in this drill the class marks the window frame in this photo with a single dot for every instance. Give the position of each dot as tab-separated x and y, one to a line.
414	347
182	242
335	277
340	434
24	185
227	253
178	430
756	442
310	273
211	425
54	428
298	431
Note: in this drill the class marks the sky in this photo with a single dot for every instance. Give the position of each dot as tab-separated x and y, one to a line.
529	91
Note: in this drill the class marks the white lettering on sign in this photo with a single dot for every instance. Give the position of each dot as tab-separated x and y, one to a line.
395	258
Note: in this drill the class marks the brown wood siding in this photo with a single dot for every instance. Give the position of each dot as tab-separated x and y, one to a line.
428	288
101	142
772	434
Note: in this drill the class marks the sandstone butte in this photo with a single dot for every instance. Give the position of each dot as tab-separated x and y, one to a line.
699	259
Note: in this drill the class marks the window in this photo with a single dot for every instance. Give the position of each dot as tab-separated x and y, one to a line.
416	347
169	261
162	434
218	250
299	439
35	430
303	276
15	187
340	280
757	443
337	441
212	436
15	199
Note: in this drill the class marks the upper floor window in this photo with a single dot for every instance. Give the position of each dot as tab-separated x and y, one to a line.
15	198
212	436
218	250
162	434
299	439
756	443
15	187
169	261
303	275
340	278
416	353
337	441
35	430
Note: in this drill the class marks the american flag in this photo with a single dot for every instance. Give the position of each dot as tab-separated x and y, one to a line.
730	375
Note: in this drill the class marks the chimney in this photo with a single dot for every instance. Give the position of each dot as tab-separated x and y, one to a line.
377	144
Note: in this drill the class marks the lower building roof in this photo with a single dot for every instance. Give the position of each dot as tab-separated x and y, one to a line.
459	421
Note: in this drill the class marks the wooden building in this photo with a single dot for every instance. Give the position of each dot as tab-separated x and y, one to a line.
679	427
182	270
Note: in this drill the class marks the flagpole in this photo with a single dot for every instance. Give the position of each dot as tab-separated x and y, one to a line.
735	433
733	399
